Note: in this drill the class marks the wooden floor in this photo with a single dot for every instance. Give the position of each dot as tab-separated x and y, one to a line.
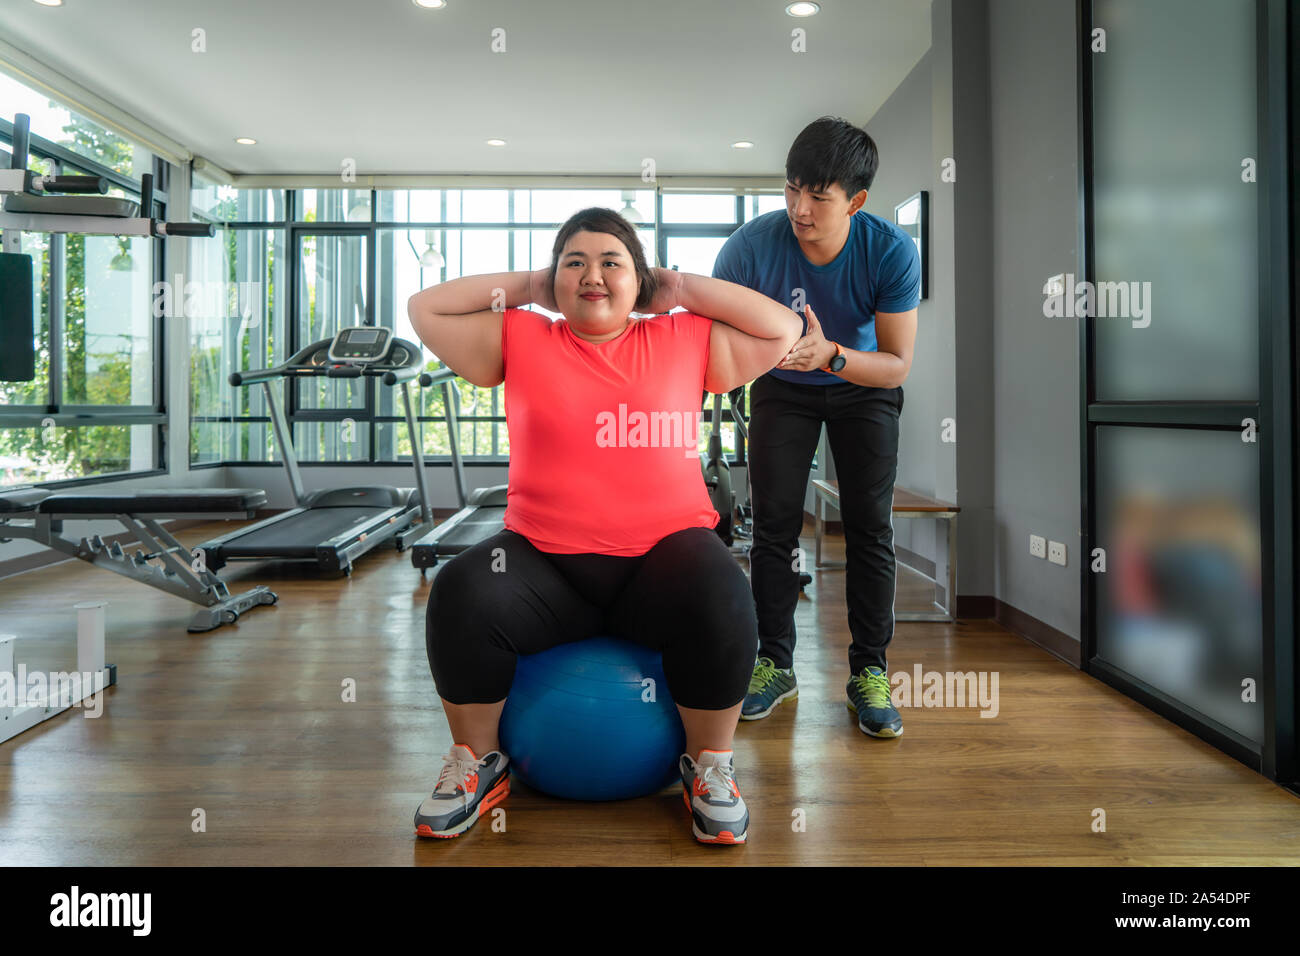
247	724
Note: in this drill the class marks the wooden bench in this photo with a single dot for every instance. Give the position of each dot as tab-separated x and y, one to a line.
907	504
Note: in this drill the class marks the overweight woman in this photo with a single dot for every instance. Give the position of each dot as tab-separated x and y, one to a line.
607	530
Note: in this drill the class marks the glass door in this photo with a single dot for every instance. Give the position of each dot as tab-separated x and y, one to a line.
1184	437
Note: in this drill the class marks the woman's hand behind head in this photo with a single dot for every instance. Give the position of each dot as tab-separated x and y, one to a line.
541	291
668	294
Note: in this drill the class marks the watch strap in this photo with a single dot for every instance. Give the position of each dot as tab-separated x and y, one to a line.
838	352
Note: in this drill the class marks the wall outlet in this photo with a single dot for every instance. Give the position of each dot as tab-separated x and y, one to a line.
1038	546
1056	552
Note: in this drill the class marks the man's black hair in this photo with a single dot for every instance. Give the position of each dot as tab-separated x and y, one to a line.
831	150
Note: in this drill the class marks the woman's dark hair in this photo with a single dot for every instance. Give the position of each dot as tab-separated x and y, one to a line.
831	150
597	219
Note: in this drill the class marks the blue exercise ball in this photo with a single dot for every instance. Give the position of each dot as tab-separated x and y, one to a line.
577	723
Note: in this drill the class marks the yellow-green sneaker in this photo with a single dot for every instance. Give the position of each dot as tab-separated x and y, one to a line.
768	686
869	699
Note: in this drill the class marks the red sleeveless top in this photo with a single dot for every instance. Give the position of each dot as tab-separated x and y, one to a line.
604	436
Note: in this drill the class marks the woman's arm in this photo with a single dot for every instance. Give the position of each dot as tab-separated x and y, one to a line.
460	321
751	333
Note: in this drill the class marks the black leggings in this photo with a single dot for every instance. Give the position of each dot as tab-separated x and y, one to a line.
686	597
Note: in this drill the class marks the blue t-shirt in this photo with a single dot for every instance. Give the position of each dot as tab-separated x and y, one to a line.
877	270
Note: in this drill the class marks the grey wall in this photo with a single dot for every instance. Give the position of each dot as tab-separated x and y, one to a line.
997	94
901	130
1033	86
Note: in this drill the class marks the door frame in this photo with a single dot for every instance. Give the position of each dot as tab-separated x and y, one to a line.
1275	412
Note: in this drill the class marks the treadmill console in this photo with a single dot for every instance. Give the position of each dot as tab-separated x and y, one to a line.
361	345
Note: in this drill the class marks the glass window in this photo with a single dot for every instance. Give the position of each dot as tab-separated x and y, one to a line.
484	205
557	205
237	322
212	442
762	204
334	205
60	452
408	260
698	207
108	324
332	293
480	251
694	254
540	247
73	131
409	205
332	281
228	204
345	440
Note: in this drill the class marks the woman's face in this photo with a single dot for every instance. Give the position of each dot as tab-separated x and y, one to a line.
596	285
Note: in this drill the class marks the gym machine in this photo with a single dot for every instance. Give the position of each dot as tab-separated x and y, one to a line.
335	526
482	513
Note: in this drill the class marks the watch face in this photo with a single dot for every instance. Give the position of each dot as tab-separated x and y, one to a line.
838	363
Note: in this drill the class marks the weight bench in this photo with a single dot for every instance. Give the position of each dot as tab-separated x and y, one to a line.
907	504
36	514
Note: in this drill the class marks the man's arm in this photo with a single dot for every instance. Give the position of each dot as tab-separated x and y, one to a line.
886	368
890	365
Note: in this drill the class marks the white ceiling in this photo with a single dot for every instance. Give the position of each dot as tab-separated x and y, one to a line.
584	86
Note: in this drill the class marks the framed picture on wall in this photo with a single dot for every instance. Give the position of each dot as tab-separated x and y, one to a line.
912	215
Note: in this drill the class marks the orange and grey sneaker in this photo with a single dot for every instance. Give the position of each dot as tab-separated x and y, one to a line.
467	788
718	814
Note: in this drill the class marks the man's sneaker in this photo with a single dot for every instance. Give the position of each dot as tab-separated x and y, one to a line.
467	788
768	686
869	699
718	814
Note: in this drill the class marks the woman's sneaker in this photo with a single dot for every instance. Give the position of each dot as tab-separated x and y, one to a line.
718	814
467	788
768	686
869	699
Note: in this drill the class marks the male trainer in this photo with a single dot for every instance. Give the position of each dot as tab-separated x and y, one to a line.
856	279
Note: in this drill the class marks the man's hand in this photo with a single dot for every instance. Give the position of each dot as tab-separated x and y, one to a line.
668	296
812	351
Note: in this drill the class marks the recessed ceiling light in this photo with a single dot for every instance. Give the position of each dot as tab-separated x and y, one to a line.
50	3
496	142
430	4
245	141
803	9
743	144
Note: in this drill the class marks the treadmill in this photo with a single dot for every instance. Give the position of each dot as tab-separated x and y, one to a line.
335	526
482	513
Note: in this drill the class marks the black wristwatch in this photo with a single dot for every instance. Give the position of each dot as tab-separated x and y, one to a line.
838	362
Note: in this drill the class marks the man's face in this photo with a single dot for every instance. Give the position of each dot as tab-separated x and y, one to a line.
820	214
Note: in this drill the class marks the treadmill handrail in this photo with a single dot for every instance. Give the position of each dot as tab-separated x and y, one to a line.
395	369
298	367
444	377
438	375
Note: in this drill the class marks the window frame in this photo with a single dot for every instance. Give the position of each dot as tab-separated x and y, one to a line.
293	227
66	162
